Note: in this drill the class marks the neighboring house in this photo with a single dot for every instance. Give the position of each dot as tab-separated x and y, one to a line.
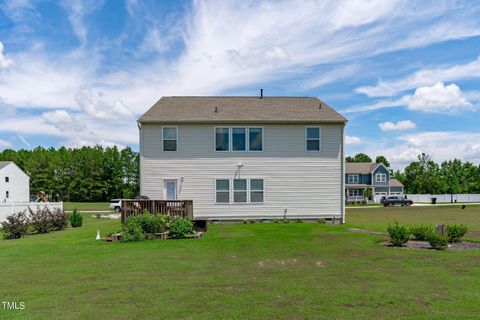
245	157
362	175
14	183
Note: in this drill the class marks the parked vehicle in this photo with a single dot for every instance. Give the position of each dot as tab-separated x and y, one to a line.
390	201
115	204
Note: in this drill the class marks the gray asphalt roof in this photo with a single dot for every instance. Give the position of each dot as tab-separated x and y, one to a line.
241	109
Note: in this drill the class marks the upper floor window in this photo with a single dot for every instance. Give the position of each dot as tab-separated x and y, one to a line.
353	178
312	138
222	139
7	179
381	177
169	138
255	139
239	139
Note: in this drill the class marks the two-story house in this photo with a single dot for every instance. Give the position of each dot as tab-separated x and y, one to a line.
360	176
245	157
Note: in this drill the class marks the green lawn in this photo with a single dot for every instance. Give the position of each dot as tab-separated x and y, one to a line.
243	271
86	206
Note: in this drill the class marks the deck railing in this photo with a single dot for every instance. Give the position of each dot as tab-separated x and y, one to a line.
183	208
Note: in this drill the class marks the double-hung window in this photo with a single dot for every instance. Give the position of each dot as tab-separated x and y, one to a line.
169	138
222	190
381	177
240	190
353	178
7	179
255	139
222	139
239	139
256	190
312	138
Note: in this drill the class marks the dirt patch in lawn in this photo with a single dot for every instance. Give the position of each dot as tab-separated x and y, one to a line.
365	231
424	245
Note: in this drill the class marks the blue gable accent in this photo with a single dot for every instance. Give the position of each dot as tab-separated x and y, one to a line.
381	169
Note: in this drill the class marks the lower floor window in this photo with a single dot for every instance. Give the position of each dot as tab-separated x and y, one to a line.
355	192
239	191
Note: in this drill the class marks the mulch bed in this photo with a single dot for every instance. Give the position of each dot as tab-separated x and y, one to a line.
424	245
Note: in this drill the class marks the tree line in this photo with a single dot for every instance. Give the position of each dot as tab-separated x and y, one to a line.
100	174
428	177
85	174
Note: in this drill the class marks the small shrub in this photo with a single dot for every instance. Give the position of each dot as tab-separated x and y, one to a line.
245	221
132	231
76	219
421	232
41	220
399	235
59	219
322	221
437	241
15	226
181	228
150	223
251	221
455	232
299	221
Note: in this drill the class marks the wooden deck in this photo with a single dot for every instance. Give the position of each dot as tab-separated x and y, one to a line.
183	208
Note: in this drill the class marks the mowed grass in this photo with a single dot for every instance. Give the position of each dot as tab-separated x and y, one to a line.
379	218
241	271
86	206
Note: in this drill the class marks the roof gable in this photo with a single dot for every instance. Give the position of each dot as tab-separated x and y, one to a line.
241	109
362	167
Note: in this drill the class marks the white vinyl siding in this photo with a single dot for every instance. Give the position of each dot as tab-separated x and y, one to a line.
353	178
307	184
312	138
381	177
169	138
14	184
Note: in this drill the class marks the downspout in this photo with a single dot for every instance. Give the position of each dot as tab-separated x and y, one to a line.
342	166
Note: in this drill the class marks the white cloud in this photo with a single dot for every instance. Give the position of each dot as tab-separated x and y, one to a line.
62	120
323	78
5	143
79	142
441	145
92	104
4	61
423	77
352	140
25	142
439	98
400	125
388	103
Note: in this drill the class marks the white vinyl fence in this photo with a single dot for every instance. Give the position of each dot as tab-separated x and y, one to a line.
444	197
7	209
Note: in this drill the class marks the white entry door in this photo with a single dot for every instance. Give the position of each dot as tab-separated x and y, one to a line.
170	189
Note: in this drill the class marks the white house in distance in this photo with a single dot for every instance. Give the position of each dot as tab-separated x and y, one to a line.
245	157
14	183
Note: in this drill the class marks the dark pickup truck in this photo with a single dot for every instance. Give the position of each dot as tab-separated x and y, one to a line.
390	201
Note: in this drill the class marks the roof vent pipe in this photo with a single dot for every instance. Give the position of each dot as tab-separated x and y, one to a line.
261	93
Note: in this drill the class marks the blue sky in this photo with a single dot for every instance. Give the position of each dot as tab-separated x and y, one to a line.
405	73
